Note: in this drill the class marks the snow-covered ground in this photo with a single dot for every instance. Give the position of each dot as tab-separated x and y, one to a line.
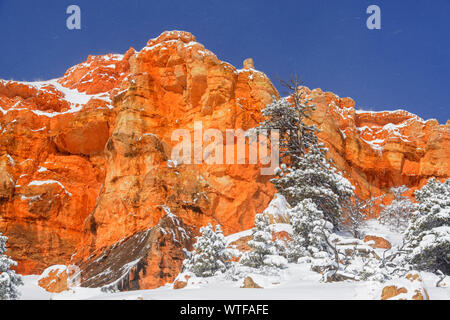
295	282
375	228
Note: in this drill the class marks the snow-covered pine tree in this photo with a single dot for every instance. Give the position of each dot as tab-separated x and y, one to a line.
398	213
264	251
433	193
428	233
314	178
9	280
308	228
210	254
305	173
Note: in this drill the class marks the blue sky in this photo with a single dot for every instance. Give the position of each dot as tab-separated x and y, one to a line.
404	65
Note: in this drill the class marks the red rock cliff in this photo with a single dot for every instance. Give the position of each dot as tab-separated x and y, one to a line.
85	175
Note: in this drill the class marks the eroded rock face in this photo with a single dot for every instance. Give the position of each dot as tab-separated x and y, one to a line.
52	165
174	82
90	154
86	170
147	259
378	150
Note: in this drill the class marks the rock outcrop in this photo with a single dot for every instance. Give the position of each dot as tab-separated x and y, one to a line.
249	283
54	279
86	173
378	150
377	242
408	288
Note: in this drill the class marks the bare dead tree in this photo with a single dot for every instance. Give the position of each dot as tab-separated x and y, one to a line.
371	205
356	211
399	251
387	260
353	216
335	268
297	99
348	257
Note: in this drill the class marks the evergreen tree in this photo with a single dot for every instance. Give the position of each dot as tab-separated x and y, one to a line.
308	230
210	254
305	173
399	211
9	280
264	251
428	233
433	193
315	179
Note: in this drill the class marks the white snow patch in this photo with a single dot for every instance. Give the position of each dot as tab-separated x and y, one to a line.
278	208
75	98
43	182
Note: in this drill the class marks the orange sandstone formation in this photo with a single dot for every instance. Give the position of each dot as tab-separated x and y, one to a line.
378	150
86	175
54	279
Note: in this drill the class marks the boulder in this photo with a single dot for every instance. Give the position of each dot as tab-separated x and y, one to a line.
378	242
249	283
408	288
391	291
54	279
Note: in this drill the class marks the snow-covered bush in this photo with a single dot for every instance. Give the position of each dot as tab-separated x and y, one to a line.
275	261
9	280
210	254
433	193
308	229
398	213
264	252
336	257
433	251
428	233
353	259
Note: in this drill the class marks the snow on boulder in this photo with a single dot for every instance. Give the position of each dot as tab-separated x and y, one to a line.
277	210
408	288
181	283
54	279
377	242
